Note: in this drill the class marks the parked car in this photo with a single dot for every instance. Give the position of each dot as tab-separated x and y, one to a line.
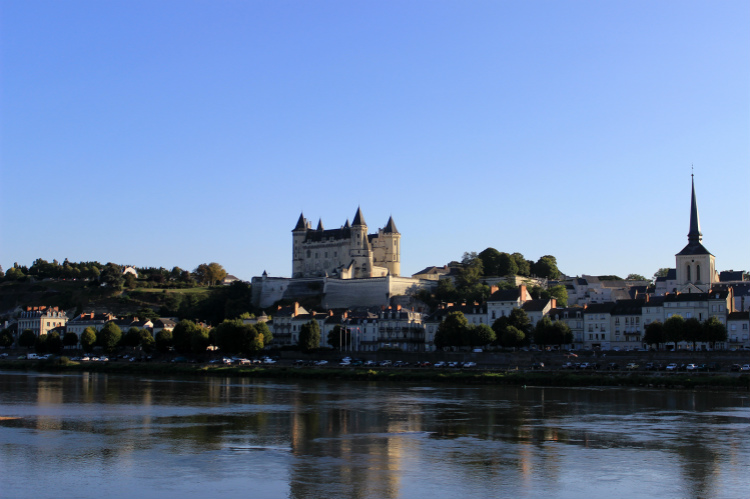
537	365
469	364
692	367
745	368
632	366
321	362
613	366
440	364
735	367
672	367
370	363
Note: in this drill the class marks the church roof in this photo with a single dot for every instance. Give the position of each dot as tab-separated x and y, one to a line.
359	219
320	224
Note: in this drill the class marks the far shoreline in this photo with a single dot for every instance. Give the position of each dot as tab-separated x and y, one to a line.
549	378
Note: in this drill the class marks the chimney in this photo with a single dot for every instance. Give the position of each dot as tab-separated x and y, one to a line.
522	292
493	289
554	302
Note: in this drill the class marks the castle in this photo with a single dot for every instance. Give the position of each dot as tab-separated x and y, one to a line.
348	252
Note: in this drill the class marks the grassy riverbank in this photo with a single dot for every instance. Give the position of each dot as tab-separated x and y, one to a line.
478	377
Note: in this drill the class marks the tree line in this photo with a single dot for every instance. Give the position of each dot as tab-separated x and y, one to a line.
677	329
514	330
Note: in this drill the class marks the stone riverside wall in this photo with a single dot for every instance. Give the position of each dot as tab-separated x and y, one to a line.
336	293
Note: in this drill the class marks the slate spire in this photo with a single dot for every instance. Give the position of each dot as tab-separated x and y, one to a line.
301	223
694	236
358	218
390	227
320	224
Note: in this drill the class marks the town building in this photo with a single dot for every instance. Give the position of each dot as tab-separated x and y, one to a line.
41	320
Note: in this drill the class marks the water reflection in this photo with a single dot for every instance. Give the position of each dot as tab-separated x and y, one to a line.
301	440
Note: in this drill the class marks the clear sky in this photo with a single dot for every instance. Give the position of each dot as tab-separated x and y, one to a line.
163	133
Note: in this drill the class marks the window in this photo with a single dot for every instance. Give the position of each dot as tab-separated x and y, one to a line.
688	272
744	327
698	273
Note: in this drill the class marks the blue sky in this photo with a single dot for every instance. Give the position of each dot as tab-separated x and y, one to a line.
163	133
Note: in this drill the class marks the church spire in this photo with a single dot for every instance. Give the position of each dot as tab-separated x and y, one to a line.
694	236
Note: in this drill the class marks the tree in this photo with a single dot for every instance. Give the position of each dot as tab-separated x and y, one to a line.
339	337
522	264
635	277
146	313
109	337
543	334
163	341
70	339
692	331
506	265
147	341
470	271
663	272
714	331
561	334
27	338
490	260
6	338
558	292
132	338
654	334
53	343
263	329
452	331
233	336
199	340
111	275
519	319
88	339
480	335
546	267
129	281
209	273
674	329
181	336
309	336
513	337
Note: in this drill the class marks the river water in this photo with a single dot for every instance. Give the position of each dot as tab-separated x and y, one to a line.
99	435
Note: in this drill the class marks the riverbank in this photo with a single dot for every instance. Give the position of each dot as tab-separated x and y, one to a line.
464	377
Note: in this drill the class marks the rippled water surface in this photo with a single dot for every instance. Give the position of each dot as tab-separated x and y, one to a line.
97	435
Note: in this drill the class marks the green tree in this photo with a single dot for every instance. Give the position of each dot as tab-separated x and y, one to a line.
558	292
543	332
263	329
6	338
146	313
339	337
147	341
132	338
490	261
663	272
714	331
53	343
88	339
635	277
111	275
546	267
692	331
480	335
561	334
513	337
522	264
452	331
182	336
309	336
129	281
674	328
27	339
163	341
209	273
470	271
70	339
519	319
110	337
199	340
506	265
654	334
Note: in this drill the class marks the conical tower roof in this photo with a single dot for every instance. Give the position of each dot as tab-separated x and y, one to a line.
359	219
390	226
320	224
301	223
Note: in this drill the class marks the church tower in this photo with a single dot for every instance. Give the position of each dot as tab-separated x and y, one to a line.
695	265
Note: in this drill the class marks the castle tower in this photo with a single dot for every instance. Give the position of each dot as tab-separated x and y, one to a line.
695	265
360	251
389	239
298	237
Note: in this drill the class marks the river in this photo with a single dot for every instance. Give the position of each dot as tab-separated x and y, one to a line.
102	435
